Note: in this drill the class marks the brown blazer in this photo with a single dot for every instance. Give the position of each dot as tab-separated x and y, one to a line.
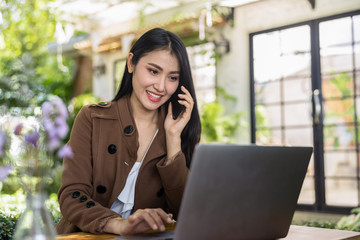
104	140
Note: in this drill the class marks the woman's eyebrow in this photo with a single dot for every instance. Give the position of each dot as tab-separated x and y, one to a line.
161	69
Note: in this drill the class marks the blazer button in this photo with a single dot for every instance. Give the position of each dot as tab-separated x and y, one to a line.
160	192
75	194
101	189
112	149
128	129
82	198
90	204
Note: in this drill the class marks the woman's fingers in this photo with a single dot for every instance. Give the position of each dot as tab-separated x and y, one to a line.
187	100
170	113
186	96
154	218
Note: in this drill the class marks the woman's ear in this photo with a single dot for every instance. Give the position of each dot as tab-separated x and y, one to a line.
129	62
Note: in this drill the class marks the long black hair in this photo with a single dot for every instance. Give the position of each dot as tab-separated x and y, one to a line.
160	39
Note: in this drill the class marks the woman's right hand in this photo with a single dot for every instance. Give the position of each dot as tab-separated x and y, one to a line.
139	222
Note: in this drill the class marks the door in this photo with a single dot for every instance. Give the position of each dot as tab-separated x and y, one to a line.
305	87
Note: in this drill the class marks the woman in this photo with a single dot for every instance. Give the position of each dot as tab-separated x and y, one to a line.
131	156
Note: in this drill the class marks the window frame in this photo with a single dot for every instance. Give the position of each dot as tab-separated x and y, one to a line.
316	78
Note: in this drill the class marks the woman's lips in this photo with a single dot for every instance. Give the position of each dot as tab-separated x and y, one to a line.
153	97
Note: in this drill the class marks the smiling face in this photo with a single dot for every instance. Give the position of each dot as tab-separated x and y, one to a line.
155	79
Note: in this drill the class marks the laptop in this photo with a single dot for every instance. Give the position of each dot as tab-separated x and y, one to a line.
239	192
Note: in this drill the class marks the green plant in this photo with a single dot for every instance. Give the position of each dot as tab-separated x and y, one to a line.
79	101
7	227
341	111
263	133
342	82
76	104
215	125
350	222
326	224
11	207
53	205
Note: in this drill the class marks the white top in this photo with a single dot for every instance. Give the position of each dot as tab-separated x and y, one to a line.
124	203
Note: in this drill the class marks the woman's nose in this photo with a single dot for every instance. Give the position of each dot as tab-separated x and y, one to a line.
160	84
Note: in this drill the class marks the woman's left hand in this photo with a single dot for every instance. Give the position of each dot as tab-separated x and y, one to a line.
175	127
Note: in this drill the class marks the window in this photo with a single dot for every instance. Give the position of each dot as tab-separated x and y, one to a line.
305	82
202	63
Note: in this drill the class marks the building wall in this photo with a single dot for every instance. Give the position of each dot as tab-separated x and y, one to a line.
103	84
233	69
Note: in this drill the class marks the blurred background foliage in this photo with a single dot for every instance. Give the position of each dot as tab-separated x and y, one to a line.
216	125
28	73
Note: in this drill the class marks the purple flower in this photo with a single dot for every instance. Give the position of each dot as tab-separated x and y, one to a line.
49	127
65	151
61	127
46	108
32	138
56	107
54	122
4	171
61	108
53	143
18	129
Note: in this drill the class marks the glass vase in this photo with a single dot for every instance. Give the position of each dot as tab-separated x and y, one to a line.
35	222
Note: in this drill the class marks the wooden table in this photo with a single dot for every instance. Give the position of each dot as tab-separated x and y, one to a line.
295	233
303	232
